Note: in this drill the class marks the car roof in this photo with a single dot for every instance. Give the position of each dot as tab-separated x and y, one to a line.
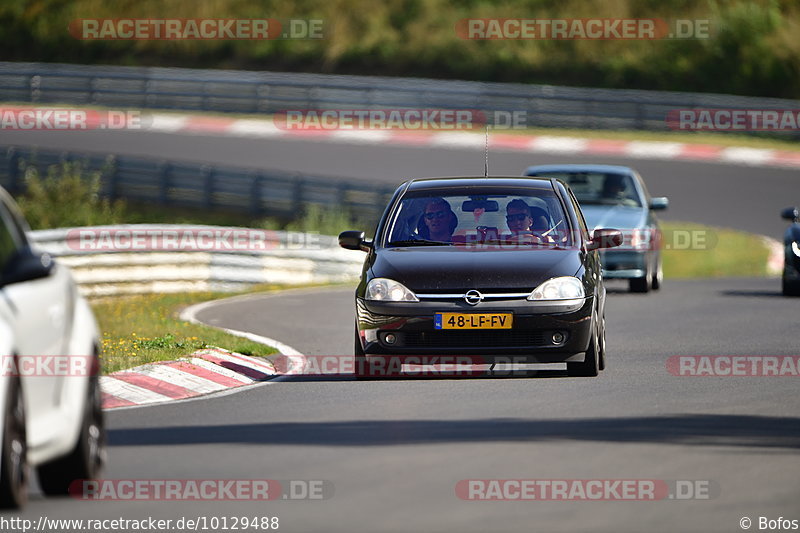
455	182
581	168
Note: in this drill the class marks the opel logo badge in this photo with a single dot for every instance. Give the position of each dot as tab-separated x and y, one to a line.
473	297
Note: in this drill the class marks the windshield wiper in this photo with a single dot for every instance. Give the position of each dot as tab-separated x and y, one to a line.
418	242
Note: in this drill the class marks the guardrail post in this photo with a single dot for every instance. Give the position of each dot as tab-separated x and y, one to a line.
112	172
255	194
639	121
208	185
36	91
341	195
163	180
12	158
297	195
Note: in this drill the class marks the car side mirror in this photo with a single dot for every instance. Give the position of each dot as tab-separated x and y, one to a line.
791	213
354	240
605	238
659	203
27	265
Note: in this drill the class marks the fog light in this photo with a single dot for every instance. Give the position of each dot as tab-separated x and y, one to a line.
558	337
390	338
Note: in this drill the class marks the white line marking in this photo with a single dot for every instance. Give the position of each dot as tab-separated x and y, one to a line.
190	315
654	149
208	365
748	156
131	393
182	378
558	144
169	123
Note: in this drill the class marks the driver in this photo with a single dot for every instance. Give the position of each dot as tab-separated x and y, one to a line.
438	221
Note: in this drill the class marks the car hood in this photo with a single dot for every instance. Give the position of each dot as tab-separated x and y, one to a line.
614	216
456	268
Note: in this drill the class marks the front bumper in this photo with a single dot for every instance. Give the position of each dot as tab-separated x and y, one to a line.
530	340
624	264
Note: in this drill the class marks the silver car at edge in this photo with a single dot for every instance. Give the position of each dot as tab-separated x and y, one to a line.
50	400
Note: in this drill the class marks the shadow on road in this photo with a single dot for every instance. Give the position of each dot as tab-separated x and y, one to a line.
693	430
431	375
753	293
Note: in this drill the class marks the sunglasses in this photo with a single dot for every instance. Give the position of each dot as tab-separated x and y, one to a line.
516	218
436	214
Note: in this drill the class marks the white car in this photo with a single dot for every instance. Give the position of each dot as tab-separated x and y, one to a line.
50	402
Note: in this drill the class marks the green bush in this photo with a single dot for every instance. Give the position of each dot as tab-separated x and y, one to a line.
68	196
753	47
324	221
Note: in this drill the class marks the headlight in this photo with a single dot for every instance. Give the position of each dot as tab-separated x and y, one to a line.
388	290
796	249
564	288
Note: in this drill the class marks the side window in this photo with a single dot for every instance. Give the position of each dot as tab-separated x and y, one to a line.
578	211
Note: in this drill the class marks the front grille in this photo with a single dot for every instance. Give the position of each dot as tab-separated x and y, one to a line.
481	339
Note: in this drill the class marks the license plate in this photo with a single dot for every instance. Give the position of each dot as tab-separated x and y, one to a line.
472	320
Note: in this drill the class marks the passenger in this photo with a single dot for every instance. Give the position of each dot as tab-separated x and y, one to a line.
438	221
527	224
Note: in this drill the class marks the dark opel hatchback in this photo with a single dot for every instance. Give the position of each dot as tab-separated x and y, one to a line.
498	269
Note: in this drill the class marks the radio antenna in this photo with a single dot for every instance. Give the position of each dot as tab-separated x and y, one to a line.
486	152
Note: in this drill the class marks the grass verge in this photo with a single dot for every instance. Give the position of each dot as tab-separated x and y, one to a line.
145	328
710	252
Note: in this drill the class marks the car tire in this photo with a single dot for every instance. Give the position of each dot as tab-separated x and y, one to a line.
14	469
790	287
658	275
602	343
590	366
640	285
86	460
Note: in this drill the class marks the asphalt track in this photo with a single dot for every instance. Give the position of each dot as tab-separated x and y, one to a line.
743	197
394	450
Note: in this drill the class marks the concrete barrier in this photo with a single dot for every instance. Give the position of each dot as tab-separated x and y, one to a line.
286	257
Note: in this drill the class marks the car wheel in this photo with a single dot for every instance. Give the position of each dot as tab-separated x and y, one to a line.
658	275
591	363
790	287
88	457
14	470
639	284
602	343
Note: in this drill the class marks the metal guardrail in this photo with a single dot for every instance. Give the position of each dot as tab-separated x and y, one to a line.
269	92
285	260
168	183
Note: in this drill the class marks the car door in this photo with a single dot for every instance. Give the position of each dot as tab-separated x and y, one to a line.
37	312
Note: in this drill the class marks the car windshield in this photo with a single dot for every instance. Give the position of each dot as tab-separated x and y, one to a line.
600	188
528	217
